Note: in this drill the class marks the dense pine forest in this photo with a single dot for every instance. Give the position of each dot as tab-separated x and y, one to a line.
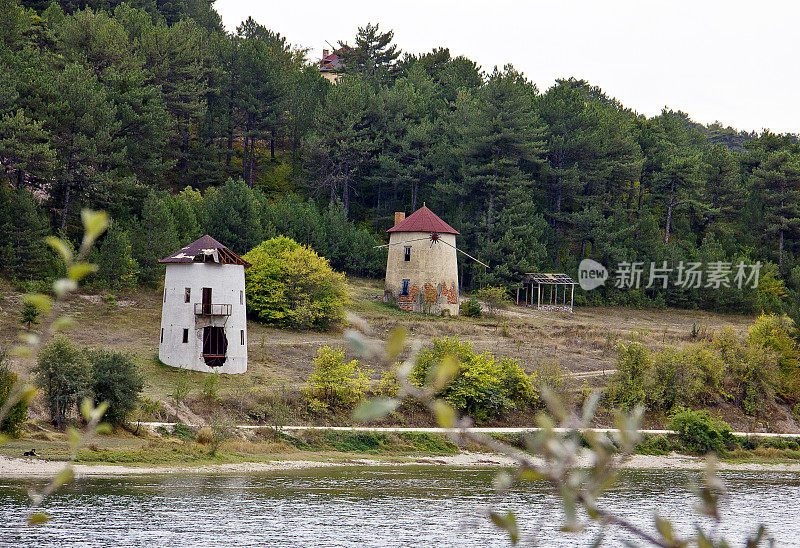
151	111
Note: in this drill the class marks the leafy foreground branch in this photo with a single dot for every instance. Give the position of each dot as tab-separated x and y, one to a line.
77	268
579	463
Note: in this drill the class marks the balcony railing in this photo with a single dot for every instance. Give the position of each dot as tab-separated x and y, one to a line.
204	309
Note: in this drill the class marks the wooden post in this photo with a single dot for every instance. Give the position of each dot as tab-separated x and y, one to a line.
539	301
518	296
572	299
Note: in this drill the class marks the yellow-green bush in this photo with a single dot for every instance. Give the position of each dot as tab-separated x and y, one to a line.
773	332
483	386
744	371
335	384
18	412
627	388
289	285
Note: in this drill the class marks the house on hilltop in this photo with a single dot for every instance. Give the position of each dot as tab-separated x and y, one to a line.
331	65
421	267
203	315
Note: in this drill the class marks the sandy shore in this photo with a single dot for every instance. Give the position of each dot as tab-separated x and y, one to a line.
33	468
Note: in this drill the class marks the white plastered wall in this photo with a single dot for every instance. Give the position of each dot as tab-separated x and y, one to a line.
227	287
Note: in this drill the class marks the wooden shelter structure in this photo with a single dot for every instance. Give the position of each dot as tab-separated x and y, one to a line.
547	291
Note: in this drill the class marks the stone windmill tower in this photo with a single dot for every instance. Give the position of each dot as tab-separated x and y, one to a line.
422	267
203	316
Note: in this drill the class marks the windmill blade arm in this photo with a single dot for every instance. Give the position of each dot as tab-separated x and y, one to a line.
399	243
465	253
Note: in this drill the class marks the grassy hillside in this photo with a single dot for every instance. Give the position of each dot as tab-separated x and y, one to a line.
280	361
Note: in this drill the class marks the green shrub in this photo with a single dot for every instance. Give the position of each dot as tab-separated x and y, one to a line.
654	445
335	384
289	285
116	380
682	377
496	298
209	386
470	308
775	332
483	386
19	411
753	373
549	373
699	432
628	385
62	372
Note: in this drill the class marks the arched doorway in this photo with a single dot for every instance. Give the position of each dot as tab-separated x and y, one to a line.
215	346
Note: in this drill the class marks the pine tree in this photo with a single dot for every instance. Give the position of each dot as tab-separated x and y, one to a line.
372	56
116	266
671	172
233	216
155	238
778	179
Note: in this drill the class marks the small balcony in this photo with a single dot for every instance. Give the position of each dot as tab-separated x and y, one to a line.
207	309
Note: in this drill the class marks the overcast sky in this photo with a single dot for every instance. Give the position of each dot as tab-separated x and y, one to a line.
734	61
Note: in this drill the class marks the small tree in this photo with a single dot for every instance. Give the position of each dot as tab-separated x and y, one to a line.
62	372
30	315
117	267
496	298
289	285
19	411
116	380
335	383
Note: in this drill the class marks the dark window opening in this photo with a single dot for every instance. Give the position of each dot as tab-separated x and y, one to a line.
407	255
215	346
404	291
185	335
187	297
242	333
162	334
241	297
207	300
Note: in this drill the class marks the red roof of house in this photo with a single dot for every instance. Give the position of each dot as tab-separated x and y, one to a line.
205	249
423	220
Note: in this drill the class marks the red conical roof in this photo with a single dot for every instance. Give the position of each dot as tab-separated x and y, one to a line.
423	220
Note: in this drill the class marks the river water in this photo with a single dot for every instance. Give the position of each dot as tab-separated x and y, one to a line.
370	506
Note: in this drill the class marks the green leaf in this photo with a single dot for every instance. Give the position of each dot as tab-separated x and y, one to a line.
61	247
664	528
502	481
38	519
374	409
100	410
79	271
94	224
396	342
63	323
445	415
62	286
507	522
43	303
66	475
74	437
443	373
87	408
356	341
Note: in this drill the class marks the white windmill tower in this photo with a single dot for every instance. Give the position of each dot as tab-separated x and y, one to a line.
203	316
422	266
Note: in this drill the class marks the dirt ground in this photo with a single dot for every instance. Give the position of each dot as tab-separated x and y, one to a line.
582	342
